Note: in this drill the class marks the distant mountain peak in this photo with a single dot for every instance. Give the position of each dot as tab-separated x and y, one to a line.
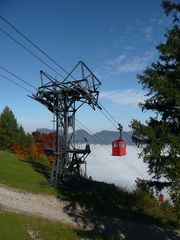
103	137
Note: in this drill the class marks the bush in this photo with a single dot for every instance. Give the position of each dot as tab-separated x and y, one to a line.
42	159
146	203
30	157
168	211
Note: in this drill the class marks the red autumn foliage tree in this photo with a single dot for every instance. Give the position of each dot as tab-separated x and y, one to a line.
42	144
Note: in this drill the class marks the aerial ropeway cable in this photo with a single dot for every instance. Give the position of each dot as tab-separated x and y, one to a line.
36	46
15	83
114	122
96	138
105	113
108	149
119	145
122	144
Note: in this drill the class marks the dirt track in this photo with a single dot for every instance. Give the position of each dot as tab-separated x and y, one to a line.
41	205
50	207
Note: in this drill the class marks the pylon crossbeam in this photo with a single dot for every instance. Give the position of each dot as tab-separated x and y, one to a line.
63	99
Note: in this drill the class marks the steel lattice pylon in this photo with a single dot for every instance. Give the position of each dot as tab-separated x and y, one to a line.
63	99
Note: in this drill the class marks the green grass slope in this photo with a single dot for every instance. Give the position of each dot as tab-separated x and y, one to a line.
20	227
16	173
97	198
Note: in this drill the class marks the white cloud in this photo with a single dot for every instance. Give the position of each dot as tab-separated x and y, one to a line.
32	125
148	33
129	97
121	171
112	29
161	20
126	64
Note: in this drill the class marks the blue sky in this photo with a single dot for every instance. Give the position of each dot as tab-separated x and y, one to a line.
115	38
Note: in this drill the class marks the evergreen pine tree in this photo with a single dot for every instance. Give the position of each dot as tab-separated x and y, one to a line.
160	136
8	129
10	132
22	138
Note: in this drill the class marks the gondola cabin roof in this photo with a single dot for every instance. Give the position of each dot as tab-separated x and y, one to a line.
118	148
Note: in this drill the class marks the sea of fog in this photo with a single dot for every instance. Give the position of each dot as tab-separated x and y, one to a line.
122	171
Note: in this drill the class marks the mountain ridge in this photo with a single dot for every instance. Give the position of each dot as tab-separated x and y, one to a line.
103	137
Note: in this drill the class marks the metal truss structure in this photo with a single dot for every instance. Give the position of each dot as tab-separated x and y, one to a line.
63	99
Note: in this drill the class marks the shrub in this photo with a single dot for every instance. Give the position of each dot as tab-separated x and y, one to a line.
146	203
168	211
43	159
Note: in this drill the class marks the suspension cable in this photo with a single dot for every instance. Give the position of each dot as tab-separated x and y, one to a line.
17	84
14	75
34	55
44	53
124	161
114	122
36	46
129	138
106	113
99	140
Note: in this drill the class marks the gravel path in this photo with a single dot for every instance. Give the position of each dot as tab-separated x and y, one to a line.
70	213
41	205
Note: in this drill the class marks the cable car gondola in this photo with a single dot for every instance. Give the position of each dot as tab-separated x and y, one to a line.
119	145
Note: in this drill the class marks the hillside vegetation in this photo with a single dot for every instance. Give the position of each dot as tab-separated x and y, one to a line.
16	226
29	170
20	174
95	197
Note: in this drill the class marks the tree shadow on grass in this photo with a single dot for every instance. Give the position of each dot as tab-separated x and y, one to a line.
40	168
117	229
97	208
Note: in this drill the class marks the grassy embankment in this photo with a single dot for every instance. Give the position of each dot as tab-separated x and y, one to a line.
19	174
16	226
96	197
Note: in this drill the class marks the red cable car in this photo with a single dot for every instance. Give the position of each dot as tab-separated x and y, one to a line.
161	198
119	146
